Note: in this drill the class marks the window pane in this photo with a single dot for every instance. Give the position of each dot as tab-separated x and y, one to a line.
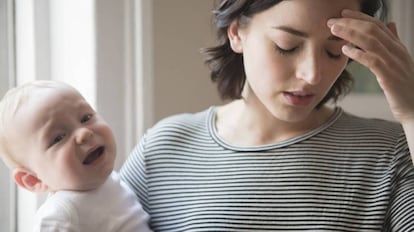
6	194
5	199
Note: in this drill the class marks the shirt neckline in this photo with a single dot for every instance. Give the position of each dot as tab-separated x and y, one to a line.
214	134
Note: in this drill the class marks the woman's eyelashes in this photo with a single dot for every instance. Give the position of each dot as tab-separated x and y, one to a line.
283	51
334	56
293	50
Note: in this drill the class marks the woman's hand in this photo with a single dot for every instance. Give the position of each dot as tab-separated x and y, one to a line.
377	46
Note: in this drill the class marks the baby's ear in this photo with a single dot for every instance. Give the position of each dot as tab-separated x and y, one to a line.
28	180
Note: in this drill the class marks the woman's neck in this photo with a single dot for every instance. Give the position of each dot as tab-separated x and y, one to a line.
238	124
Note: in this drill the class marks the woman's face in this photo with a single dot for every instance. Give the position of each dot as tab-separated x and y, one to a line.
291	59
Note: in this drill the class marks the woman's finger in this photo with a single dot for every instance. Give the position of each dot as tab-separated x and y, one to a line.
369	60
363	35
393	28
362	16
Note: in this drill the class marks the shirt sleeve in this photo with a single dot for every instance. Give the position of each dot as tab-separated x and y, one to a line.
134	173
400	215
56	216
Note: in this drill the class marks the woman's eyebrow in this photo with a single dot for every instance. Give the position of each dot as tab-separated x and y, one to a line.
302	33
292	31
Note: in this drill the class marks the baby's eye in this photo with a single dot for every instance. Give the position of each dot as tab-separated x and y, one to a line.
57	139
86	118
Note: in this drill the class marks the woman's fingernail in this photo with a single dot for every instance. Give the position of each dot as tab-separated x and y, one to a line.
347	48
346	12
336	29
331	22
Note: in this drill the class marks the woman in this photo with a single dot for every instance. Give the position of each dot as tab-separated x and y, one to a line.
276	157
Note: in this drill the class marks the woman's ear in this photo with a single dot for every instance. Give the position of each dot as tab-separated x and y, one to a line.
28	180
233	33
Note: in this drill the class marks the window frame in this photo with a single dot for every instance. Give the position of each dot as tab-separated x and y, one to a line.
130	119
8	194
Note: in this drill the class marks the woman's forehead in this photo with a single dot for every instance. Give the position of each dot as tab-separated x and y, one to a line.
304	13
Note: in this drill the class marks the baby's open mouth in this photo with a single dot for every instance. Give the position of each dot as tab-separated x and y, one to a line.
94	155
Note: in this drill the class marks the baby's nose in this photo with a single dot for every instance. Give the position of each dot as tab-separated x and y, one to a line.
83	135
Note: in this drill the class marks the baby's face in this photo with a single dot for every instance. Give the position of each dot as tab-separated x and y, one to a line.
63	140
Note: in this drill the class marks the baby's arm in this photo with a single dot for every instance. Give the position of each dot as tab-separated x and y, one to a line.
56	216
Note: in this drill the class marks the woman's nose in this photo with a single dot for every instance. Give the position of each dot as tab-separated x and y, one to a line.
309	70
83	135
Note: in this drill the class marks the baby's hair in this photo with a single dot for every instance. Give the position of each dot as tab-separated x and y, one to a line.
9	106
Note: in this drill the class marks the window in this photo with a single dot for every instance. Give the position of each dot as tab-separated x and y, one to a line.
89	44
7	193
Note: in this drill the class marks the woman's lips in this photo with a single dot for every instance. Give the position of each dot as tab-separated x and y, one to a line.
298	98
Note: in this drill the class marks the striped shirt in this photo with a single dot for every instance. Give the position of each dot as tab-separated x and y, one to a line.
349	174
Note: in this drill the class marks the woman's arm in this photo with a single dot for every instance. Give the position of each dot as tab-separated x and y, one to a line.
409	134
378	47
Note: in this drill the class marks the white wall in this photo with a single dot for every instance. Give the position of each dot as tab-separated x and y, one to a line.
113	27
402	12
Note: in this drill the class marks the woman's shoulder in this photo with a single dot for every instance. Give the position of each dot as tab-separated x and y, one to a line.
190	122
184	119
373	124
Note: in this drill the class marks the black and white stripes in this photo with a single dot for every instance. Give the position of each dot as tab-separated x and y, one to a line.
350	174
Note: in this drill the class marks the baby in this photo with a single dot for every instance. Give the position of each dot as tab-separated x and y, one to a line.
53	141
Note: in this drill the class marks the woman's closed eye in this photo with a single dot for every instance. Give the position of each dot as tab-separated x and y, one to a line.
285	51
292	50
335	56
